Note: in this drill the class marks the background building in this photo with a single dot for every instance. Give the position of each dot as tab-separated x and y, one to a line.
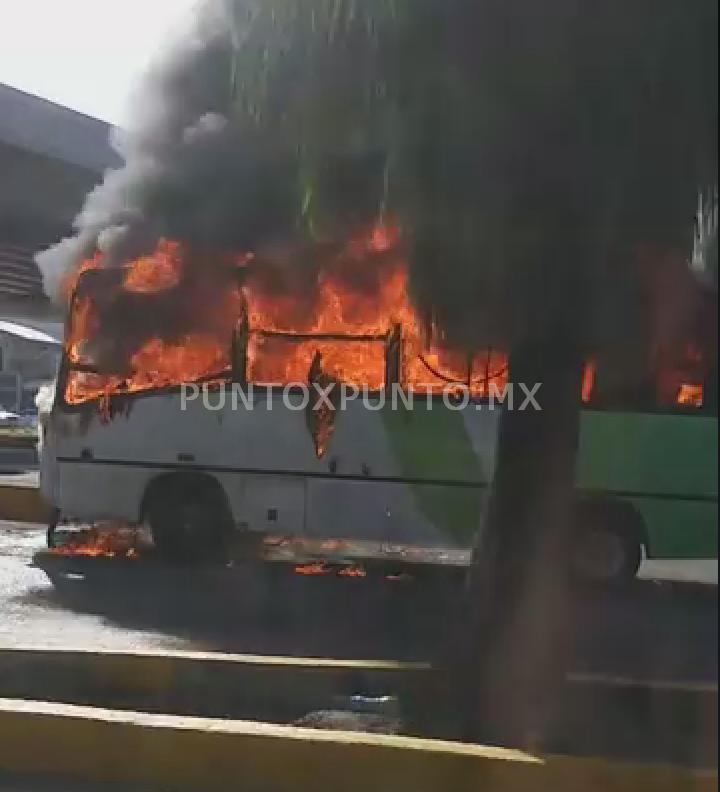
50	158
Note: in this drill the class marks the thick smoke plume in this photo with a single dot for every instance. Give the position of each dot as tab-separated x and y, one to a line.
523	148
184	173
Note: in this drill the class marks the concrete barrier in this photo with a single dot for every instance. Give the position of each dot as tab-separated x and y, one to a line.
284	689
22	504
20	499
206	754
18	438
206	683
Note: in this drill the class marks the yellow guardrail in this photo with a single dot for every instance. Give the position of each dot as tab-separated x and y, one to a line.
21	502
177	752
18	437
207	754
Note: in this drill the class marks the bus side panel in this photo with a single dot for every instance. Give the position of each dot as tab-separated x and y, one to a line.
268	503
429	468
396	512
679	528
665	465
93	491
652	454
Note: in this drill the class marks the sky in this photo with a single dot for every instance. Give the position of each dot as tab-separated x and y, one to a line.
85	54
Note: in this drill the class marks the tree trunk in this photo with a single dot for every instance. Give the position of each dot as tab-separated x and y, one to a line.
516	628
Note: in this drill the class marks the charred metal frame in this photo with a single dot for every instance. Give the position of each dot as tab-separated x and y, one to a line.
237	371
66	366
392	341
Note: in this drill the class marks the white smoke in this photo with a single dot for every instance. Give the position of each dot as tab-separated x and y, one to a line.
179	106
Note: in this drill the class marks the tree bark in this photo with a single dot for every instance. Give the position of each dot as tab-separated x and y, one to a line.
517	615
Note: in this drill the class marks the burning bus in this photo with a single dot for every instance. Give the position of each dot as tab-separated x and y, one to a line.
175	407
361	194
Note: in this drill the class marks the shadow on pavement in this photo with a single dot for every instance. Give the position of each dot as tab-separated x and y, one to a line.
648	631
263	609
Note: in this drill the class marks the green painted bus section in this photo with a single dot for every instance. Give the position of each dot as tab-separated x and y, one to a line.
664	464
431	445
653	453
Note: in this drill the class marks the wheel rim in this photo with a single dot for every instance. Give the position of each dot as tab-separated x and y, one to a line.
599	556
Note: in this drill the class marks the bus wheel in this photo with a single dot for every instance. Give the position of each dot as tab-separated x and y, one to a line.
188	524
607	545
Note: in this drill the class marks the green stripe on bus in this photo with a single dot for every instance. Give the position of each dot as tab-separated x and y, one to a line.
435	444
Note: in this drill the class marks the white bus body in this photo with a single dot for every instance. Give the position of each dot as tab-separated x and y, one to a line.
415	476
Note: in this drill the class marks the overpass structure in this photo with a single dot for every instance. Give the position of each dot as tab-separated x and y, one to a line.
50	157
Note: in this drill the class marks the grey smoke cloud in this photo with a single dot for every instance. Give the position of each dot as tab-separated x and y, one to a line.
180	115
519	146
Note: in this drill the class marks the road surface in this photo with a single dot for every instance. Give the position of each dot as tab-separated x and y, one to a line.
43	784
657	631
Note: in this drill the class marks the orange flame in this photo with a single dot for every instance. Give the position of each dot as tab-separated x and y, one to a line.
313	568
70	280
588	381
352	572
278	360
95	543
158	364
157	272
359	299
345	312
690	395
83	328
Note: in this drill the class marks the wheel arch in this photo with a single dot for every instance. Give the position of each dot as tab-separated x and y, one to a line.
620	511
165	484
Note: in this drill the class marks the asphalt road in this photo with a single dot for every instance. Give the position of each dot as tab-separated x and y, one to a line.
657	631
10	783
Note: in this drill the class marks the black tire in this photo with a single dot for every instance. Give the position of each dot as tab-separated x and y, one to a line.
189	522
607	546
